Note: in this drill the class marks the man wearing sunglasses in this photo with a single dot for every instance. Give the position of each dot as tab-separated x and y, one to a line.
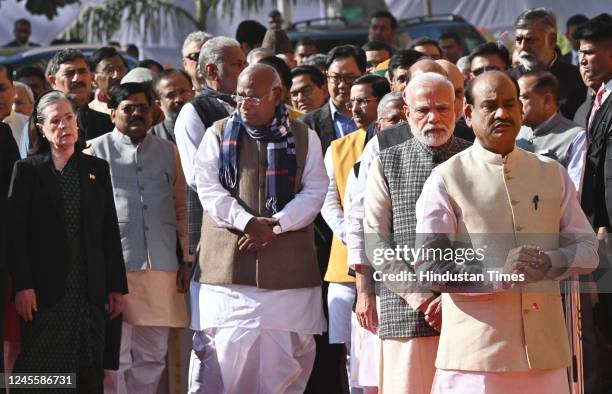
261	180
191	54
149	193
221	61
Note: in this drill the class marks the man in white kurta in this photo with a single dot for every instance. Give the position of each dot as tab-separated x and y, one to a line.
254	329
511	338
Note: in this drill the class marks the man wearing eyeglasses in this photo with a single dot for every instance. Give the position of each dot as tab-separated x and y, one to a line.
149	193
487	57
308	89
334	120
261	181
108	67
366	92
191	53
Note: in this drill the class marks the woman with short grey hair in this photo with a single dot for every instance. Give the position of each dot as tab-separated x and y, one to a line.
64	251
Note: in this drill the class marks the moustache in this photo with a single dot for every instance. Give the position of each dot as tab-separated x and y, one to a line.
136	119
526	55
430	128
505	123
75	85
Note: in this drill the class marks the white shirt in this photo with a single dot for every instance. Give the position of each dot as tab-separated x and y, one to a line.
227	211
188	131
435	215
296	310
19	126
332	210
354	232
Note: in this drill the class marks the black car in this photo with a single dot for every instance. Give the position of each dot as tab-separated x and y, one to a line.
330	32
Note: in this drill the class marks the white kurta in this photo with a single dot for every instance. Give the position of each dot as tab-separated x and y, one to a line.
252	340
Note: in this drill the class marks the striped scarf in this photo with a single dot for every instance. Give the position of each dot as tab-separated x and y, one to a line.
282	164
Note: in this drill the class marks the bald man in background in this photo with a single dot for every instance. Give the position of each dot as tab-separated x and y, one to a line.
462	130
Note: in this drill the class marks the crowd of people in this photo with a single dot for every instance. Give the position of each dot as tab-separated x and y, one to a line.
252	197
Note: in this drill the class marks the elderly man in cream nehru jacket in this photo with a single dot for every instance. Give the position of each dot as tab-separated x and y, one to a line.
508	335
261	180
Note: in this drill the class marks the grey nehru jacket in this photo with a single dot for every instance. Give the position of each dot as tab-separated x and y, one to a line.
143	176
553	138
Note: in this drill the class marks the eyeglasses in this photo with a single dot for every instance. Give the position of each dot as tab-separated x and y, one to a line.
131	108
361	102
194	56
305	91
337	78
480	70
254	101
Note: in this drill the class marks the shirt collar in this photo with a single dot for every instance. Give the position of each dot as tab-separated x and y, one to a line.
335	111
491	157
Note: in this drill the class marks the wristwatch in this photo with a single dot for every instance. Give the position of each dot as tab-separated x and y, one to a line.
277	229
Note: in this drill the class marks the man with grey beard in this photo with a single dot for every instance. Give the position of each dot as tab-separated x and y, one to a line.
535	33
410	320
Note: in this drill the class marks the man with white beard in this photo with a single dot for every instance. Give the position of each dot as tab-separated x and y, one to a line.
535	33
393	187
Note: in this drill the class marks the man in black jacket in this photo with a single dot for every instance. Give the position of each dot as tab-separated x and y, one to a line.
536	38
595	59
68	71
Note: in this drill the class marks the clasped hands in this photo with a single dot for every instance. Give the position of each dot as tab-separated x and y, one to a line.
258	234
528	260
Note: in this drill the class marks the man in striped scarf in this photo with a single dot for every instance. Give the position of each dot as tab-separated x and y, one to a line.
261	181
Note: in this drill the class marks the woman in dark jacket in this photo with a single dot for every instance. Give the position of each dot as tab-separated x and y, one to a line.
64	249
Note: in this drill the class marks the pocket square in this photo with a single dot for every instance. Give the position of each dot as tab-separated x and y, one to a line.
92	176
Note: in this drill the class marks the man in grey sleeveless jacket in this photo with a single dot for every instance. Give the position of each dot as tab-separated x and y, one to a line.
261	181
149	193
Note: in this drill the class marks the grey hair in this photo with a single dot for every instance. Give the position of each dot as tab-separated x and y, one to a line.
18	84
428	78
196	36
388	98
251	68
264	51
212	51
532	14
37	143
464	63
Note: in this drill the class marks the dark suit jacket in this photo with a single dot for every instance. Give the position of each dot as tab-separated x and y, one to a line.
321	122
9	154
38	244
93	123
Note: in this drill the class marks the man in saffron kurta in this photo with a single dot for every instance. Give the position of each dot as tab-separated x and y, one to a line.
511	339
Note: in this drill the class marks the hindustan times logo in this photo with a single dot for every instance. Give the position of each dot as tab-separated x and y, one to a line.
410	255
